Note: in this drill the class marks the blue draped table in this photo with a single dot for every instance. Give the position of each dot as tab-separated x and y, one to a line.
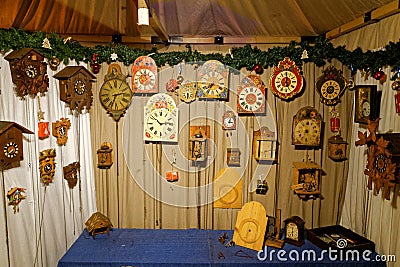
192	247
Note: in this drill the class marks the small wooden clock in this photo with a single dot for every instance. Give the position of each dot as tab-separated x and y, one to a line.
11	144
229	120
306	127
367	103
105	157
76	87
294	231
233	156
47	165
264	145
306	179
60	130
330	85
71	173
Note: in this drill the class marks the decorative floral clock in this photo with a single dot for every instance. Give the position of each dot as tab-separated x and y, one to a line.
213	80
286	80
144	75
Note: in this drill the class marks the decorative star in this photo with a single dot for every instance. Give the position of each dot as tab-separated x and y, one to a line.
114	56
66	40
40	115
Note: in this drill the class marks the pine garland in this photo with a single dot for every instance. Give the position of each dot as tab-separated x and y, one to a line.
320	53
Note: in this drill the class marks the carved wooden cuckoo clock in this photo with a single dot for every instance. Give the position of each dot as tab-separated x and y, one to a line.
76	87
11	142
71	173
60	130
28	72
383	156
330	85
47	165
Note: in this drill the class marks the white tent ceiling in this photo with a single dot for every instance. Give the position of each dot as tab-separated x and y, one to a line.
244	21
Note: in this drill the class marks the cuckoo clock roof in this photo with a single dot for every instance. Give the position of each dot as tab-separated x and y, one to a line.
70	71
21	53
6	125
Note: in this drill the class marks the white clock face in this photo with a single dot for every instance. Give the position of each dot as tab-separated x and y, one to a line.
161	125
144	80
229	122
292	231
31	71
212	84
330	89
307	132
365	109
285	82
251	99
11	150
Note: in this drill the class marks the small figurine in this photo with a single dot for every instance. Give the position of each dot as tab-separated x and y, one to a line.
15	196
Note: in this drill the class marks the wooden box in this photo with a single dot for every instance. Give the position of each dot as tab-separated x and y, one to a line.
339	237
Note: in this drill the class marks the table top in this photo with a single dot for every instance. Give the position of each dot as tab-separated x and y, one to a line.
192	247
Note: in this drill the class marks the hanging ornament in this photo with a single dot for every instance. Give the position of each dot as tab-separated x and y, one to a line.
258	69
15	197
396	85
53	63
43	126
380	76
114	56
397	102
396	74
304	55
171	85
334	121
353	70
46	43
95	65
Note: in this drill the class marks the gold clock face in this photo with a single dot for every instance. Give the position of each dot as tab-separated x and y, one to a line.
161	125
144	80
213	80
285	82
187	92
80	87
11	150
251	99
115	95
330	89
307	132
292	231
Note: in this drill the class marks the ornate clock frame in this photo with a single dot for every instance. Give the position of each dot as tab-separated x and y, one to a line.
330	86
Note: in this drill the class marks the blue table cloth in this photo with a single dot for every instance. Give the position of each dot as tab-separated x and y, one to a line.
192	247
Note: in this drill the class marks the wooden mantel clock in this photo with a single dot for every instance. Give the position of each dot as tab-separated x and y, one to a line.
76	87
294	231
28	72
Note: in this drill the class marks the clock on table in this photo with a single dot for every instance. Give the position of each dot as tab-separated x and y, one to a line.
286	80
160	119
306	127
213	80
251	95
115	94
330	86
144	75
294	231
367	103
76	87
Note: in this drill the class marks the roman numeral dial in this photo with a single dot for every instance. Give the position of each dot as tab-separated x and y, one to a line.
115	96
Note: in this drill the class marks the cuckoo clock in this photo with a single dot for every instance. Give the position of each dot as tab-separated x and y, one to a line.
71	173
47	165
105	157
60	130
383	158
76	87
11	142
28	72
15	196
306	179
264	145
98	223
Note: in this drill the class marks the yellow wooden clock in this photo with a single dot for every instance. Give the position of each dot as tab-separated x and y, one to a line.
213	80
330	85
306	127
115	94
160	119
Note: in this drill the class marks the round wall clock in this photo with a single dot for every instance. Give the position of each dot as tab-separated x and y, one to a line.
286	81
306	128
213	80
144	75
11	150
251	96
330	85
115	94
160	119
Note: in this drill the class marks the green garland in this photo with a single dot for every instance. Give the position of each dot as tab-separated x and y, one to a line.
320	52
